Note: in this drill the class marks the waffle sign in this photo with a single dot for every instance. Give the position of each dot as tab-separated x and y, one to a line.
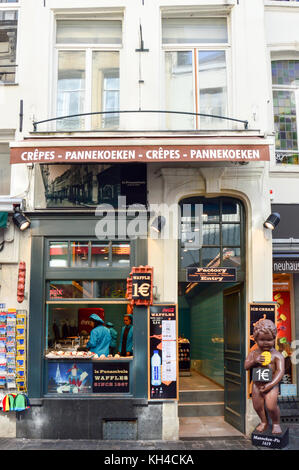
141	286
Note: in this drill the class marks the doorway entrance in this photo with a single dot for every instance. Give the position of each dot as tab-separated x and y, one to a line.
211	356
212	322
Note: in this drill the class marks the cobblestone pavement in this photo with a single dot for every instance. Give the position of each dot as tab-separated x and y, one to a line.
210	444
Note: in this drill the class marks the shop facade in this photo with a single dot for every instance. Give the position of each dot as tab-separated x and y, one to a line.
80	271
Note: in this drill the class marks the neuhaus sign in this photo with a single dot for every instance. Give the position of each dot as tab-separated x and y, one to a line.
285	265
136	153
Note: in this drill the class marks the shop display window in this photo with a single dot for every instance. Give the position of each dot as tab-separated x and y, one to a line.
282	294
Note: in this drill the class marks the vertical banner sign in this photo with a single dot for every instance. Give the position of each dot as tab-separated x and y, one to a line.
258	311
162	351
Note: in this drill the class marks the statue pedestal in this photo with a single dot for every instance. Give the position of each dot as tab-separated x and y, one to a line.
269	440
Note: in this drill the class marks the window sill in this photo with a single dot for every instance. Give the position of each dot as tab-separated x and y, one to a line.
9	84
277	4
285	168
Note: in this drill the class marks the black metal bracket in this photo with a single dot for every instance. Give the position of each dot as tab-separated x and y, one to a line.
36	123
141	43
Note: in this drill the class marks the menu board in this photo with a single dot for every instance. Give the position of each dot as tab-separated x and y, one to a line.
162	352
111	378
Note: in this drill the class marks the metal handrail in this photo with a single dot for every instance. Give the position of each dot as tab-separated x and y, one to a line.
36	123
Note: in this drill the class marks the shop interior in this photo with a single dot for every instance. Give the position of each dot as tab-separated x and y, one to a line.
201	329
201	360
68	323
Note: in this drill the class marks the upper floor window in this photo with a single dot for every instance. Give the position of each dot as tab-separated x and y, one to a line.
5	169
88	73
195	71
8	45
285	81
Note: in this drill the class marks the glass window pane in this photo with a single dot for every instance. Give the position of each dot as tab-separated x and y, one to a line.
285	120
179	89
285	72
231	257
211	211
121	254
189	257
58	256
105	88
80	289
212	88
210	257
211	234
194	30
99	254
88	32
112	289
8	45
79	254
230	211
231	234
71	89
71	290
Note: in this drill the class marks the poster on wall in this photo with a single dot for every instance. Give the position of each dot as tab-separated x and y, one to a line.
111	378
162	352
258	311
69	377
87	185
284	331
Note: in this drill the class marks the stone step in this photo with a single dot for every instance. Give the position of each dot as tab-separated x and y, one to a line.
201	396
195	409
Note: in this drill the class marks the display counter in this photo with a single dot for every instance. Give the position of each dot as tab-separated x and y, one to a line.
73	374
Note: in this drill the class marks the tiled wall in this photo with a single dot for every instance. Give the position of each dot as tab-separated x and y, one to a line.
207	333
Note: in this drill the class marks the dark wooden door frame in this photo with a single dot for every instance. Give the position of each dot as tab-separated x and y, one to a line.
234	355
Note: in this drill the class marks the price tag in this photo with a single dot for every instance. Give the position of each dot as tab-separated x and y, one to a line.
262	374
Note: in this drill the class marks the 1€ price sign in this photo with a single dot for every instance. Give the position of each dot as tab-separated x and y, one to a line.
262	374
141	286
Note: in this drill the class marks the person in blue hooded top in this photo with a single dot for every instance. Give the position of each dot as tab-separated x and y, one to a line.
113	333
100	337
126	337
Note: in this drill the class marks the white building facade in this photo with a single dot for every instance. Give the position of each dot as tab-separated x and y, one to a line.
208	94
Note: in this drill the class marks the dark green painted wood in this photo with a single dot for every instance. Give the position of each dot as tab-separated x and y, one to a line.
234	355
55	227
140	347
36	315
